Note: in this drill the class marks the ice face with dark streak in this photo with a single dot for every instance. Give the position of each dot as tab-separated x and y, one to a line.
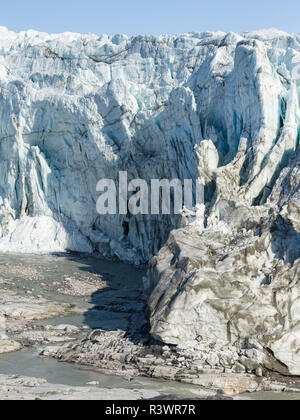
78	108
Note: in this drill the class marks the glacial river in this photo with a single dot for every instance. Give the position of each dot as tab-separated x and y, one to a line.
40	274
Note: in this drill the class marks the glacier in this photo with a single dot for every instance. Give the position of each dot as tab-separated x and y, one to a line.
223	106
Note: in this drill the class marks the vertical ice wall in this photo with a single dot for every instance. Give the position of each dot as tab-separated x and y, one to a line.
78	108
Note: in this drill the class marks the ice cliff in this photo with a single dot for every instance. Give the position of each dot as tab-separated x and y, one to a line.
225	107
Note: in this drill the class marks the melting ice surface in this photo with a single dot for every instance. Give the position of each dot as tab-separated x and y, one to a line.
78	108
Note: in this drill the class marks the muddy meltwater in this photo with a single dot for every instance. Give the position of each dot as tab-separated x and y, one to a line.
88	294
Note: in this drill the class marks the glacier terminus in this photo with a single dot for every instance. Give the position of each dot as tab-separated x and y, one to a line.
223	281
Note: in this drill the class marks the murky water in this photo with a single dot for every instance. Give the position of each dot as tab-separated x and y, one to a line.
45	270
273	396
42	275
29	363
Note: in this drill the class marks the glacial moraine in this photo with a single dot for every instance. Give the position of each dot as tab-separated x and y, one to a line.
103	336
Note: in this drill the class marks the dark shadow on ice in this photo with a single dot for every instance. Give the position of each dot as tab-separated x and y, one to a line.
285	240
